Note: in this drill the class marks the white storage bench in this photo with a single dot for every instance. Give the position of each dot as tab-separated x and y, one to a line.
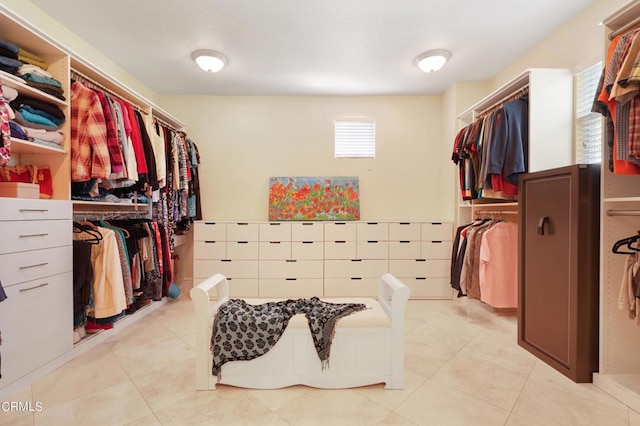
368	346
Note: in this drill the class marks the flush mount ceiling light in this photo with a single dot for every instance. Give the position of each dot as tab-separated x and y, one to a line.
209	60
432	60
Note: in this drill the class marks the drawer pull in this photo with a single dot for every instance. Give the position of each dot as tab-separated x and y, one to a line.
373	242
210	242
291	260
421	278
405	223
340	242
404	242
421	260
307	242
225	260
275	224
340	223
34	210
209	223
32	235
436	223
33	266
356	260
274	242
372	223
307	224
436	242
22	290
243	223
243	242
291	279
356	278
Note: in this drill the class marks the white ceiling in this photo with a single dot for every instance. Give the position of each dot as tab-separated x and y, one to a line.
311	47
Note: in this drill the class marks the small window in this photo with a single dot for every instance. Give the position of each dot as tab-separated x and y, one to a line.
588	125
355	138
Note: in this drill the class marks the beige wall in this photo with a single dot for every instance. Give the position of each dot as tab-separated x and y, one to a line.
245	140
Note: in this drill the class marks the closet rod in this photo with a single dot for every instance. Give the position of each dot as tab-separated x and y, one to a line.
628	26
111	213
80	76
513	96
495	212
623	212
164	123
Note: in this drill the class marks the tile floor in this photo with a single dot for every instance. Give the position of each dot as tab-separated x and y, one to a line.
463	367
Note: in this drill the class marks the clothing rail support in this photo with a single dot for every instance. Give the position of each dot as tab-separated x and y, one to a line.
512	96
628	26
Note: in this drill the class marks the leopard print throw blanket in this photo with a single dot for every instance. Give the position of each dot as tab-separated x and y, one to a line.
242	332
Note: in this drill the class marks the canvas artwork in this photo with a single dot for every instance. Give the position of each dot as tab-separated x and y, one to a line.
314	198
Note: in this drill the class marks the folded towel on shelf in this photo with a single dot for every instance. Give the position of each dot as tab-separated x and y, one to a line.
21	121
36	78
35	118
33	69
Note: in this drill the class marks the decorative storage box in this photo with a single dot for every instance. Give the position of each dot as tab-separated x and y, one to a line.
19	190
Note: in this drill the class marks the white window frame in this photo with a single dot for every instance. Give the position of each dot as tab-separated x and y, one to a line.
355	137
587	124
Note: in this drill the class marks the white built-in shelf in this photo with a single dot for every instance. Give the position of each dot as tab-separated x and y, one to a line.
513	204
21	146
32	92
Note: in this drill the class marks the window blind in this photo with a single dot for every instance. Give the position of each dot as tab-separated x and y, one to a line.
588	125
355	139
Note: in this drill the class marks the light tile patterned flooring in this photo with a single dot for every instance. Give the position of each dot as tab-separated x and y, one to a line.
463	367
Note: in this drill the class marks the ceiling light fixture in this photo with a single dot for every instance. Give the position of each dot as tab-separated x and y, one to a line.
209	60
432	60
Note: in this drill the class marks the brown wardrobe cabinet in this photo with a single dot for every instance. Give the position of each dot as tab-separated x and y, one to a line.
558	272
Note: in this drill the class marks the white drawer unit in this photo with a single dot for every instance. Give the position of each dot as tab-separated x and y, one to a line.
291	269
275	250
340	250
17	268
436	249
367	231
37	320
210	231
20	209
291	288
307	231
355	268
275	231
351	287
436	231
372	249
227	267
404	231
34	235
242	231
340	231
428	288
420	268
307	250
242	250
210	249
243	287
405	249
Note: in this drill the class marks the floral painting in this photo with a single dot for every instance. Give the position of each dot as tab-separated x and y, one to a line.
314	198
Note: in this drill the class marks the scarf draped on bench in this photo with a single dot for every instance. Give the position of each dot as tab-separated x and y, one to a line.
242	332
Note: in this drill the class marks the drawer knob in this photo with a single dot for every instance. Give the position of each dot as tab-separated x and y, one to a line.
22	290
34	266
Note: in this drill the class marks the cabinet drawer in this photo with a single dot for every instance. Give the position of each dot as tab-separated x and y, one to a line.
214	231
244	250
400	231
351	287
291	269
242	231
26	209
275	250
436	249
34	235
307	231
209	249
428	288
291	288
437	231
340	250
373	249
243	287
360	268
372	231
420	268
228	268
405	249
303	250
20	267
275	231
340	231
37	320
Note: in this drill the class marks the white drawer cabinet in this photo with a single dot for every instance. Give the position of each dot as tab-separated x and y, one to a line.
351	287
243	250
431	268
291	288
378	231
17	268
275	250
428	288
404	231
355	268
34	235
306	250
243	287
210	231
340	231
307	231
20	209
436	249
436	231
372	249
404	250
242	231
340	250
275	231
291	269
37	324
230	268
210	249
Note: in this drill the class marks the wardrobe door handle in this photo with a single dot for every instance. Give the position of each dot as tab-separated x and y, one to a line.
541	222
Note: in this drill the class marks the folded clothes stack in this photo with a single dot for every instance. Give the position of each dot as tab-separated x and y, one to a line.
33	119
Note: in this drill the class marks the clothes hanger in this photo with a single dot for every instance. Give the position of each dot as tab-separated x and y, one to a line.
625	242
79	227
